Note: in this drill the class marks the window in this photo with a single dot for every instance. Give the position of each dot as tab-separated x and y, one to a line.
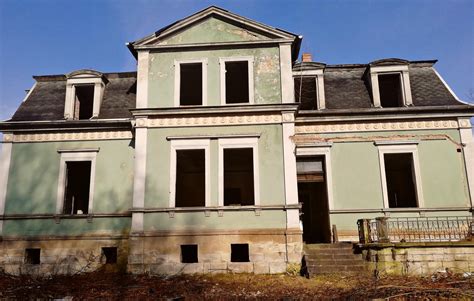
32	256
390	89
84	102
238	176
190	178
76	181
189	253
236	80
190	83
239	253
110	254
400	180
400	174
190	173
238	172
306	92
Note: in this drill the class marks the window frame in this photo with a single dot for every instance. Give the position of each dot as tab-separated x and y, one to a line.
226	143
405	148
74	156
404	83
250	61
318	75
177	80
70	102
191	144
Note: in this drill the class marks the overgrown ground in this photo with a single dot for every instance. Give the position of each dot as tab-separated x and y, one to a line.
101	285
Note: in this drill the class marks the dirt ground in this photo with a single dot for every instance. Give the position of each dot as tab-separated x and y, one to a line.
112	286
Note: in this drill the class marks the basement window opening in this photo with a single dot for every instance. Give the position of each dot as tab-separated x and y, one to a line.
400	180
190	178
84	102
32	256
239	187
306	92
110	254
239	253
390	90
78	176
189	253
237	82
190	93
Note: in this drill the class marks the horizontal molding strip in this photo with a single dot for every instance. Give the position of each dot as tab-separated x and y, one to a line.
224	208
63	216
400	210
67	136
214	136
187	121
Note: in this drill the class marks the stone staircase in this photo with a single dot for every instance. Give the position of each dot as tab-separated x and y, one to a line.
334	258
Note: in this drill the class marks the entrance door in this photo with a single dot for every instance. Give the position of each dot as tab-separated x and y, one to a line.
312	192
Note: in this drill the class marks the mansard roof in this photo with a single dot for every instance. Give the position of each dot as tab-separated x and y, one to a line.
46	99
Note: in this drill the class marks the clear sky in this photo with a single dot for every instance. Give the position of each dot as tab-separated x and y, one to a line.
55	37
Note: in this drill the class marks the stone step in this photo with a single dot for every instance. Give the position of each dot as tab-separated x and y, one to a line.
347	262
315	270
329	252
333	256
340	245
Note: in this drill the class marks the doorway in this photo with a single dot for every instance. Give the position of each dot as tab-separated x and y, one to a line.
312	192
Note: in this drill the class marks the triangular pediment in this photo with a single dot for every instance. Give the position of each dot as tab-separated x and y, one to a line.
213	25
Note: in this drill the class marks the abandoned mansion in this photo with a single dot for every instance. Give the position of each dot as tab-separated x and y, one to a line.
224	151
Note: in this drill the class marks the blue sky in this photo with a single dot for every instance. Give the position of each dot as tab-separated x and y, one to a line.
55	37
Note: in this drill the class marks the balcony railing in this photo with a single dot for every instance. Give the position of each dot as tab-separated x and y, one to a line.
416	229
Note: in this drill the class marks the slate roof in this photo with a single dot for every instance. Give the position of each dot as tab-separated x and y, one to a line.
46	100
346	88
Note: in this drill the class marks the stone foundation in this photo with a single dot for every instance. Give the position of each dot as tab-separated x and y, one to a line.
421	258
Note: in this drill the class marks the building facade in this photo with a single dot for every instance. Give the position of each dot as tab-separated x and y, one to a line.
223	152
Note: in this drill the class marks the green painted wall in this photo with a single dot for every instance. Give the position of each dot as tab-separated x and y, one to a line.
266	74
34	172
270	162
212	30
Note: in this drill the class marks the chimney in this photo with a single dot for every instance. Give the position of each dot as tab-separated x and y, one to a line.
306	57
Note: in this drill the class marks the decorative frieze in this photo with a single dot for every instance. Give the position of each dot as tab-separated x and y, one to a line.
71	136
376	126
214	120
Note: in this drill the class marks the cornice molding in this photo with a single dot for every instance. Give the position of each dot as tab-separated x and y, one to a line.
67	136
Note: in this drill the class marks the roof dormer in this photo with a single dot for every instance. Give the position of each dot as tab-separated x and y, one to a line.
390	82
84	93
308	79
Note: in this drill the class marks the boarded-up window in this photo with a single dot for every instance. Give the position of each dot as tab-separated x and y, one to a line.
306	93
390	89
191	84
190	178
238	177
400	180
237	82
84	102
76	199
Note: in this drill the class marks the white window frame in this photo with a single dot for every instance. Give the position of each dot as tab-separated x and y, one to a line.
192	144
177	79
72	156
318	75
226	143
323	150
400	149
250	62
71	85
404	83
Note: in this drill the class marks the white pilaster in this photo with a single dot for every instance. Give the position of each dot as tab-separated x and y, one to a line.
287	84
142	79
5	159
291	184
139	182
465	131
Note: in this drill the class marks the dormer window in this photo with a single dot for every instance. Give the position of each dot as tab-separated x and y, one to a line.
84	92
390	83
309	87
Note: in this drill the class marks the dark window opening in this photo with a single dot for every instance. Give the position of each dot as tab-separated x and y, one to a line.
237	82
84	102
110	254
390	90
190	93
239	253
305	92
78	176
400	180
32	256
190	178
238	177
189	253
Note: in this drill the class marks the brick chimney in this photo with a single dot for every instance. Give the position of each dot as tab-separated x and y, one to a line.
306	57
